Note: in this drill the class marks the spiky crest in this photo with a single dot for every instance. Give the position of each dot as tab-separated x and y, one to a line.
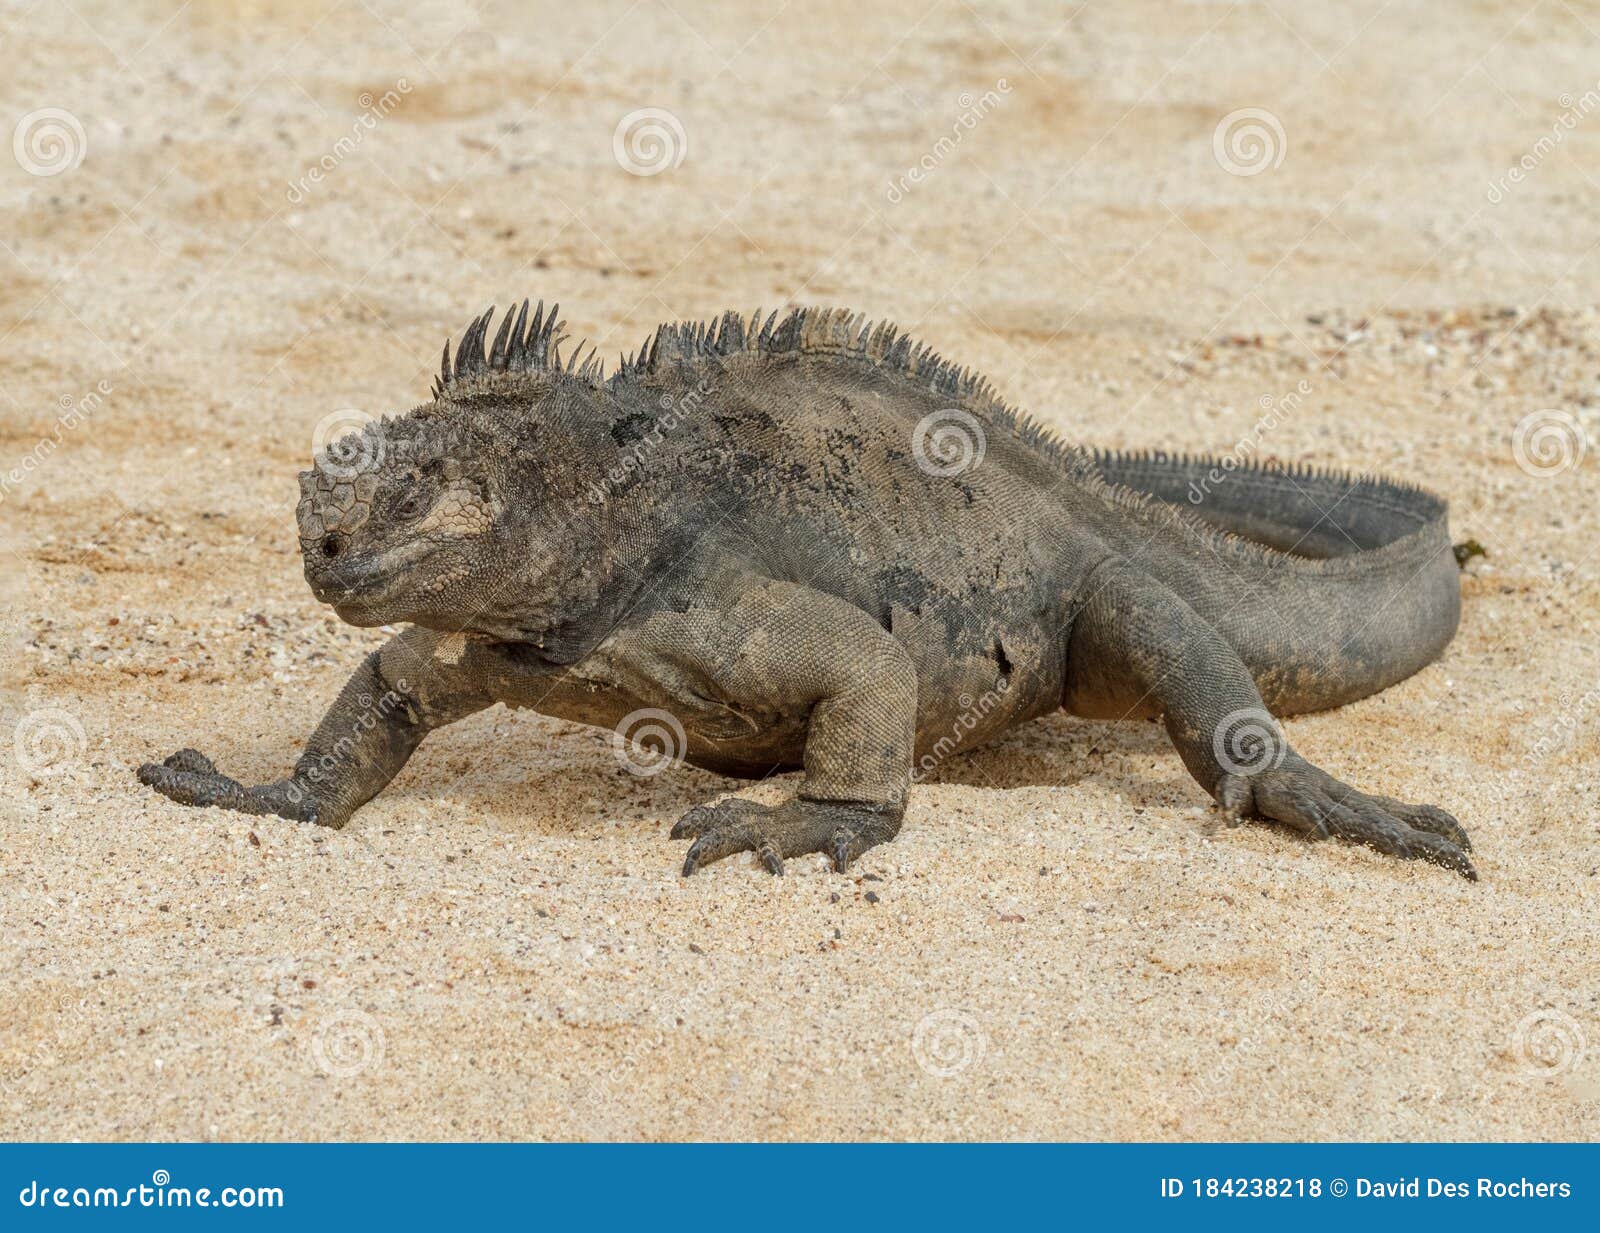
519	346
852	337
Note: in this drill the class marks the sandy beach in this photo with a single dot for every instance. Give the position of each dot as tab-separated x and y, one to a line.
1359	236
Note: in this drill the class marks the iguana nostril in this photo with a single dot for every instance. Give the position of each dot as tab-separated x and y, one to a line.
331	545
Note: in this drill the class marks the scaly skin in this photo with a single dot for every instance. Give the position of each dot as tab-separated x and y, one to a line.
814	544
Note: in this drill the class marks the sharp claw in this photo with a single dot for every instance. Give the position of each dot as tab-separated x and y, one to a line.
1233	797
694	823
1456	859
773	832
1457	834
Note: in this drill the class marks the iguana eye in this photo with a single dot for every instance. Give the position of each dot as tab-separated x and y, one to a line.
412	502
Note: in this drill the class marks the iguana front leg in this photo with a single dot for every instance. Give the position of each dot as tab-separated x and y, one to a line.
1137	648
398	695
783	650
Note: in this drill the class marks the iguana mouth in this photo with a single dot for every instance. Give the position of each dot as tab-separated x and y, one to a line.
355	582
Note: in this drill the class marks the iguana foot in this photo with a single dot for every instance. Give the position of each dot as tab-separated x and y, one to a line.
1318	805
840	831
189	778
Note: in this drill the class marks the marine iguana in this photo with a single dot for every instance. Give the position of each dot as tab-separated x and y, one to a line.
811	542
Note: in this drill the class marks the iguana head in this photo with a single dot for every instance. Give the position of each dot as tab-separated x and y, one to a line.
397	521
473	511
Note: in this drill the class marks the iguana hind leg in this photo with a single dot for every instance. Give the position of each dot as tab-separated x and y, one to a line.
781	649
1137	649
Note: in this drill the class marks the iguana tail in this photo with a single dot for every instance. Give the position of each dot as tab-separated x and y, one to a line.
1331	586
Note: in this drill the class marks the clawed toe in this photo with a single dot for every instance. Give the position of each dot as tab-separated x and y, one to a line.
1428	818
191	760
841	832
720	841
839	849
768	855
1319	806
695	823
186	786
184	776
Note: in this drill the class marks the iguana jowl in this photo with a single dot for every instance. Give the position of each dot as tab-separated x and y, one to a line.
760	527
